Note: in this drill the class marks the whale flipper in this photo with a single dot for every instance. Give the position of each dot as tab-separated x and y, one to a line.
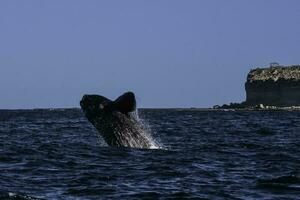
125	103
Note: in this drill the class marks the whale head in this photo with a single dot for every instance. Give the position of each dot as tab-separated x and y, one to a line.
99	106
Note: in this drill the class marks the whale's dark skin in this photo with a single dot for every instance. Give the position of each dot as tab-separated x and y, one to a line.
114	120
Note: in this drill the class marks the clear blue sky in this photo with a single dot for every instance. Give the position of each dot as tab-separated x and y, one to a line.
186	53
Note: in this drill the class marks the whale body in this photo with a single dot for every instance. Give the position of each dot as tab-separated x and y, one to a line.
115	121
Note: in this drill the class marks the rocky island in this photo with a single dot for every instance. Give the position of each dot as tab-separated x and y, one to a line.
274	86
271	88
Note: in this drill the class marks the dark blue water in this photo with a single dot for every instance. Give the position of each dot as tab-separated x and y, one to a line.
57	154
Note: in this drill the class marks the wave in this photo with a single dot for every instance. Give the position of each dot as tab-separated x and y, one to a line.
15	196
289	182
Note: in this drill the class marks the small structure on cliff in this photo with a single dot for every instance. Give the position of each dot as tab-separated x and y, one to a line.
273	86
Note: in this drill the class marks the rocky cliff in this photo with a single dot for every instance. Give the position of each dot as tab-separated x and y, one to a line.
274	86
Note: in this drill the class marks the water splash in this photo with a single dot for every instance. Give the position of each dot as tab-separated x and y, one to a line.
145	131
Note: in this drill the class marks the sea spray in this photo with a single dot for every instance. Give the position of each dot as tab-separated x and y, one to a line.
146	131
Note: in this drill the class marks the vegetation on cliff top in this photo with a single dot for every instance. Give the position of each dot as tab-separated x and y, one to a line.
290	73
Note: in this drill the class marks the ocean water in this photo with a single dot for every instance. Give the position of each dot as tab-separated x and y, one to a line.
58	154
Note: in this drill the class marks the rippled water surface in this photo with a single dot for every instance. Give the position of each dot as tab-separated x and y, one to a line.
57	154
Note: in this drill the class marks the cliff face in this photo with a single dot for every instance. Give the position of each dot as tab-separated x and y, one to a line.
274	86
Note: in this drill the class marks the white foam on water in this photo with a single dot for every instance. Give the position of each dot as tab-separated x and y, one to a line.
12	194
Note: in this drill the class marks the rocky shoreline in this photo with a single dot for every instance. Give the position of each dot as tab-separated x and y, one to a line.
245	107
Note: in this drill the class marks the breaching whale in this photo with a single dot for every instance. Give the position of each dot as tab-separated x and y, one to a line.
115	121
